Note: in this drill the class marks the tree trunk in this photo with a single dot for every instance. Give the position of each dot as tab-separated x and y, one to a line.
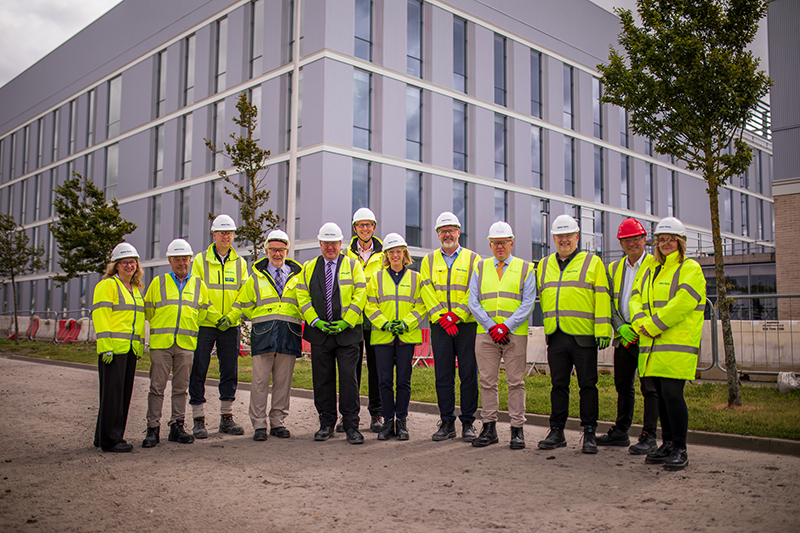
16	318
723	304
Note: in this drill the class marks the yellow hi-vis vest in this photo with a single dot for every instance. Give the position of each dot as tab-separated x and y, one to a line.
616	275
118	317
175	316
260	302
447	289
387	301
223	284
501	297
575	300
352	291
375	262
670	304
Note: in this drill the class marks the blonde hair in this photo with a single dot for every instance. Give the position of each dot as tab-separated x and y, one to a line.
681	250
406	257
136	280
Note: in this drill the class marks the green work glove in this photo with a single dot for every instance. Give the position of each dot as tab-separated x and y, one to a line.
339	326
387	326
399	328
323	326
628	335
223	324
603	342
108	357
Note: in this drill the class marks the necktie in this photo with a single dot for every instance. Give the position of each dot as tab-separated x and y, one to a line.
500	267
279	281
329	289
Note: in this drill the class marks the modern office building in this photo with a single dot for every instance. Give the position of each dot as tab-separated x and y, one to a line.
486	108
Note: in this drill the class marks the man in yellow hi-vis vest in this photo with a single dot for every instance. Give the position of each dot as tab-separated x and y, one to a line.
573	291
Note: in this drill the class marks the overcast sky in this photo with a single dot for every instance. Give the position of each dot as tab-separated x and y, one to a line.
30	29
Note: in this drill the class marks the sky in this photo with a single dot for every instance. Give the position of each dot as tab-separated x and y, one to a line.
30	29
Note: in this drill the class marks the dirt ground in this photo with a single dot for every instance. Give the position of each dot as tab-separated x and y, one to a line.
52	479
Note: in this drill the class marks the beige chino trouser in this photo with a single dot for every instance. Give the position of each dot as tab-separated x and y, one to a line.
280	367
488	355
179	361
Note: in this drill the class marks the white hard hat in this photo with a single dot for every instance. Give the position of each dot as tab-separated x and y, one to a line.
278	235
500	230
393	240
123	251
330	232
364	213
564	224
447	219
671	225
179	247
223	223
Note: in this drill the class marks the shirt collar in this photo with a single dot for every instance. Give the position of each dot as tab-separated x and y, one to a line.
638	262
507	260
362	248
454	254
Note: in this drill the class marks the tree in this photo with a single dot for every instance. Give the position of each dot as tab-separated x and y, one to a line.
17	257
689	85
249	160
88	228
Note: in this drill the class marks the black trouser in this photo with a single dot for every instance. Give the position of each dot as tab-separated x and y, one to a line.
228	355
672	410
387	358
116	389
626	362
446	351
563	352
324	361
373	388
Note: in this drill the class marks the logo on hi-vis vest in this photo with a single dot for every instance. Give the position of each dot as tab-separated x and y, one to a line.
231	280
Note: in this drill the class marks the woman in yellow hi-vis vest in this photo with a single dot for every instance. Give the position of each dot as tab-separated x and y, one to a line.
667	309
118	318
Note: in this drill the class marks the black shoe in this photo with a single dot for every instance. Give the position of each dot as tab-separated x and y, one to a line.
324	433
589	440
354	436
468	432
387	429
340	427
517	438
120	447
646	444
152	438
199	430
227	425
677	460
401	429
659	456
615	437
178	434
260	434
280	432
447	430
488	435
377	424
555	439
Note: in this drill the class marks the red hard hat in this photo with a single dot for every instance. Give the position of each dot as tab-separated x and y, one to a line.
630	227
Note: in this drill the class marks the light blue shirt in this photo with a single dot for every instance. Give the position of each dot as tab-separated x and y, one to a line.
450	259
179	283
285	270
520	315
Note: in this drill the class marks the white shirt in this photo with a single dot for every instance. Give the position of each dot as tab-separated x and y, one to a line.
627	287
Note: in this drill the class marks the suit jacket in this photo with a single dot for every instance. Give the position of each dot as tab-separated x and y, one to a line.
317	290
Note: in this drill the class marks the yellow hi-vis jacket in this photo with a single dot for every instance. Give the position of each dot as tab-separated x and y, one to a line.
175	316
447	289
375	262
575	300
118	317
352	291
223	283
669	302
501	297
616	276
260	302
387	301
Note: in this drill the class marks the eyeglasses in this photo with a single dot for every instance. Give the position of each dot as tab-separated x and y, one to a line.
365	225
277	250
631	240
129	263
225	233
667	240
447	231
500	243
329	244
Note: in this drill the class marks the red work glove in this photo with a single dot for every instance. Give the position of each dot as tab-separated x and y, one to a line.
499	333
448	323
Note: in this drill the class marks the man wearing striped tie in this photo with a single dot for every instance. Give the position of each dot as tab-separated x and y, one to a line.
331	293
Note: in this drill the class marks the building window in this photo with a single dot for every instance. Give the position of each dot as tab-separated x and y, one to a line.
362	110
540	210
414	39
597	108
536	157
536	84
459	136
363	30
500	155
161	83
37	204
649	187
361	182
184	201
623	128
26	144
759	218
568	121
673	195
499	69
158	167
500	205
727	199
217	189
648	146
188	69
599	231
114	106
599	176
11	154
254	95
221	54
625	182
256	37
186	147
23	203
39	146
90	118
569	166
414	123
56	125
413	208
112	171
73	126
218	135
155	227
459	54
745	215
460	208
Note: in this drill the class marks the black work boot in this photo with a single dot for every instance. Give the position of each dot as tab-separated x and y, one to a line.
646	444
447	430
227	425
387	429
488	435
589	440
677	460
199	430
615	437
376	424
467	432
517	438
659	456
178	434
555	439
152	438
400	429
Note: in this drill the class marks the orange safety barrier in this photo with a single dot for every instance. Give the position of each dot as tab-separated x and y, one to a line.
68	331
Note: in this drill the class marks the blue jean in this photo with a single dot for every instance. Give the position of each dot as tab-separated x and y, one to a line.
387	358
228	354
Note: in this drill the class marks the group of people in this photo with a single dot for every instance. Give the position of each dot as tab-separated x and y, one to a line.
366	298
